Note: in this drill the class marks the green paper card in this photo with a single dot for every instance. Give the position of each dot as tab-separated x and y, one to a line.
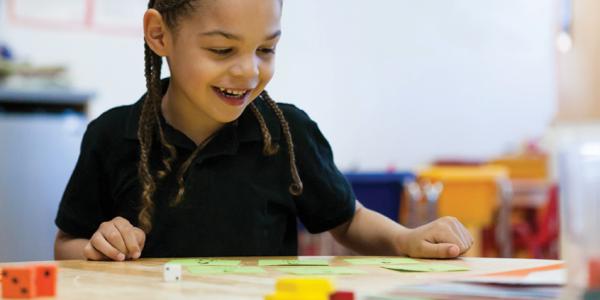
425	268
293	262
216	270
205	262
319	270
381	261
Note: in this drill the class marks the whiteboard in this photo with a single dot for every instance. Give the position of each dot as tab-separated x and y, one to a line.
399	83
114	16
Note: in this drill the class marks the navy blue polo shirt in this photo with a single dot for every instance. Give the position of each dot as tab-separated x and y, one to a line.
236	199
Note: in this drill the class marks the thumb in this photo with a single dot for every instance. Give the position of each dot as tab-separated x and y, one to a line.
442	250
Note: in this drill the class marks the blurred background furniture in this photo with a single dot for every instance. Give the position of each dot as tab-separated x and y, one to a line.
534	206
40	134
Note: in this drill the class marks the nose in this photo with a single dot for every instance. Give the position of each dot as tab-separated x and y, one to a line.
246	67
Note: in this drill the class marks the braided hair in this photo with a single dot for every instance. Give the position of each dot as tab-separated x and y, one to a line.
150	123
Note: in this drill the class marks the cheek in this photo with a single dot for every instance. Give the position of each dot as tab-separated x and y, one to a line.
193	64
266	71
202	71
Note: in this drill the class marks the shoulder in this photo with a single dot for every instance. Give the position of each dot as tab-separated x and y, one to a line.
296	117
112	125
304	129
302	126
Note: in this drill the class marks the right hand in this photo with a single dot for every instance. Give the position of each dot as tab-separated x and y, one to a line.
445	237
116	240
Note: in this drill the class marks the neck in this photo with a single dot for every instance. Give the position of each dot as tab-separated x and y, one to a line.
181	113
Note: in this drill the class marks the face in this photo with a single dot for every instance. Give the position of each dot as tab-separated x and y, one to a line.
223	55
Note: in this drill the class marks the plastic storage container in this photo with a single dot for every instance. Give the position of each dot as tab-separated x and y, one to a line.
579	175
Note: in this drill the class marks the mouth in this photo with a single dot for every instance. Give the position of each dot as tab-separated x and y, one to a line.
232	93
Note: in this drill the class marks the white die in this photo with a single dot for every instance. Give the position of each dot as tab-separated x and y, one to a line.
172	272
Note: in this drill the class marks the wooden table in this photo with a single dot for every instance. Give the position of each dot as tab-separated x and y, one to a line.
142	279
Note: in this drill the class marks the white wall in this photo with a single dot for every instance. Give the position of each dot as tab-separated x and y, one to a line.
391	82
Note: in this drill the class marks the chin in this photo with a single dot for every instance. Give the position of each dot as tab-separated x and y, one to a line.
228	118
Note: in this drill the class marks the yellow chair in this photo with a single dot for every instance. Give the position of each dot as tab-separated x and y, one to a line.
473	194
524	166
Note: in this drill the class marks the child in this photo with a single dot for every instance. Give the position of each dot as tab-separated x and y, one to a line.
206	164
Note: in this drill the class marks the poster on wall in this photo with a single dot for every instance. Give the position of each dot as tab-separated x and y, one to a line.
121	17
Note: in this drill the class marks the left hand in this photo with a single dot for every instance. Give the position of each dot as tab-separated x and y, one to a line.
443	238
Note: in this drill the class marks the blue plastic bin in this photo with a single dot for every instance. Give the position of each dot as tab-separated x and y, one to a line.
381	192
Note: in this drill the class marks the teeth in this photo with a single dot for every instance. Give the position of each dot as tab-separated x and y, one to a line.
233	92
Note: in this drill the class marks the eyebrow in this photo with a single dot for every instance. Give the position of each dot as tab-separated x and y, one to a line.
232	36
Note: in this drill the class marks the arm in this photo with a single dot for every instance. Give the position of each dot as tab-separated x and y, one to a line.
116	240
371	233
68	247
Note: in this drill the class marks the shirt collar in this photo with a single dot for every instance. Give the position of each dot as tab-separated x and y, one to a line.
245	129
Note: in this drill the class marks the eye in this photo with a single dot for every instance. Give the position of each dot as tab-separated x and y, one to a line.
220	51
267	50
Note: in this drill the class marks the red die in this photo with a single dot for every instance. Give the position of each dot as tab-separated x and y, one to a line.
594	273
45	280
18	282
341	295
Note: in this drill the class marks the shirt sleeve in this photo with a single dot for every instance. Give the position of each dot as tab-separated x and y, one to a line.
80	210
327	200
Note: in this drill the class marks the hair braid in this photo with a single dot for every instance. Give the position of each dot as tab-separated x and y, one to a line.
269	148
145	136
156	105
149	121
184	168
296	187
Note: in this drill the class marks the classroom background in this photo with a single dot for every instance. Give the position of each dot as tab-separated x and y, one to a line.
432	107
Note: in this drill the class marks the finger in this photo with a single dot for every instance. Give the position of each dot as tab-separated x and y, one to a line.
445	233
140	236
112	234
130	239
450	232
442	250
103	246
466	236
469	237
471	241
460	232
90	253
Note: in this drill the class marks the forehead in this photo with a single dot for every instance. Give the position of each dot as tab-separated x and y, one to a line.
237	16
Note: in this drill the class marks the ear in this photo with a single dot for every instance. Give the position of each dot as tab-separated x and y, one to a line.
156	32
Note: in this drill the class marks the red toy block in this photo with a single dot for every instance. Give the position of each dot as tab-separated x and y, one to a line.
594	273
342	295
45	280
18	282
